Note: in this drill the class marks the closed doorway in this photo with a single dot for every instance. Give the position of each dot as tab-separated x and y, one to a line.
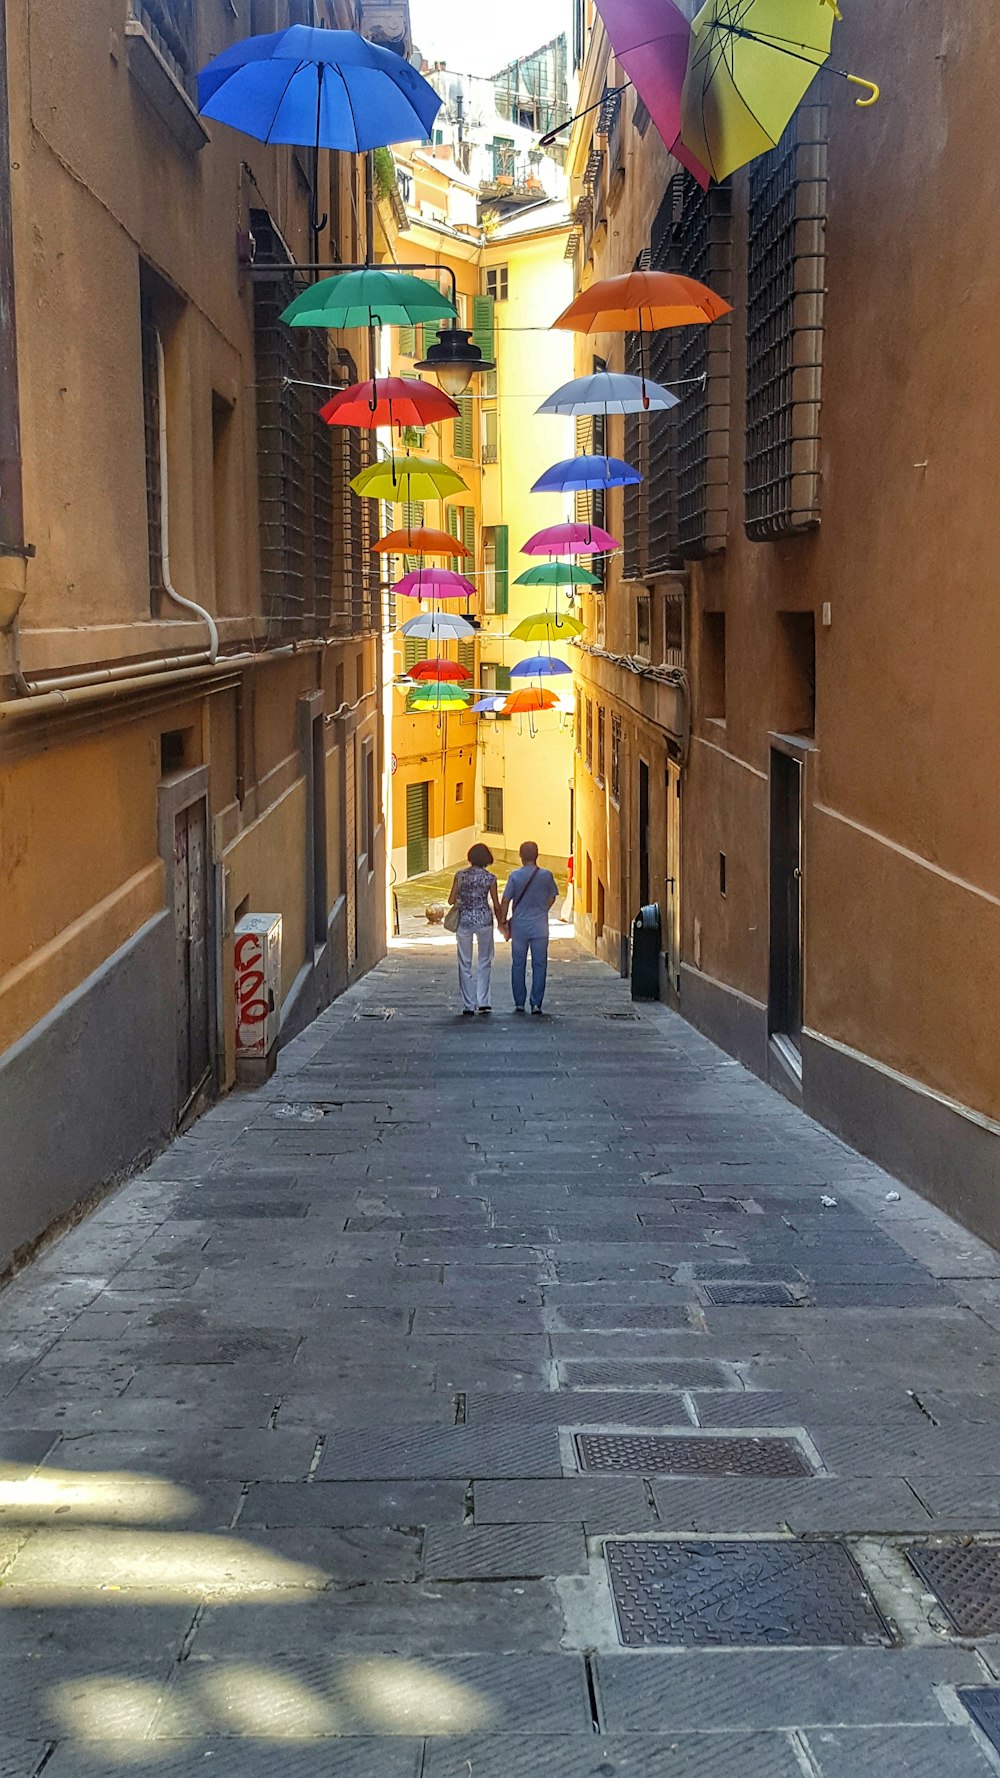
672	914
643	834
417	828
785	995
190	897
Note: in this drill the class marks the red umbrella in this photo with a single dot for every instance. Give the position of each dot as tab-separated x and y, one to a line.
388	401
441	670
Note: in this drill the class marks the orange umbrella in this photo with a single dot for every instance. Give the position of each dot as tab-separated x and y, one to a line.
420	542
643	302
533	697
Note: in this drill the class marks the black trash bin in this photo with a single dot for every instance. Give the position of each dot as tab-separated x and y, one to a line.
646	953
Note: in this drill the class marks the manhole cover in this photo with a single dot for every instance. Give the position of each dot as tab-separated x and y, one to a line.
651	1454
741	1595
983	1704
632	1016
707	1206
773	1295
965	1582
375	1012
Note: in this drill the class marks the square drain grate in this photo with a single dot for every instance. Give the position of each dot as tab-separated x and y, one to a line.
965	1582
733	1595
983	1704
375	1012
766	1295
652	1454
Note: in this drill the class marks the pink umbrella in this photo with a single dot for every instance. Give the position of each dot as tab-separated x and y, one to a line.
651	39
570	540
434	583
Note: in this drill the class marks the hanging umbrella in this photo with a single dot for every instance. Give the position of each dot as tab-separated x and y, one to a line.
438	626
318	89
368	298
388	401
434	583
580	473
750	63
421	541
529	699
569	540
491	706
539	666
437	697
607	392
439	670
557	574
412	480
650	40
642	301
547	626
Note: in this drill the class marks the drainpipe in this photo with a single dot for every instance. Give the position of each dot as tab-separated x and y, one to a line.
168	587
14	554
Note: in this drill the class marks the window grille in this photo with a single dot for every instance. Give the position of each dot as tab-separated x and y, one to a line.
493	822
172	25
785	279
588	754
151	429
616	759
673	629
600	743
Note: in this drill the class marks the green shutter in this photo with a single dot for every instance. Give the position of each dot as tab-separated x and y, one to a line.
582	509
412	519
427	336
467	655
503	679
462	445
453	525
482	325
414	650
414	437
502	571
468	531
408	342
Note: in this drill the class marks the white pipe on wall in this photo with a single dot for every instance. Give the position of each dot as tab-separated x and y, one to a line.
168	586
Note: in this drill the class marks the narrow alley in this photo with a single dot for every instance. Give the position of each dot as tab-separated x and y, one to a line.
514	1396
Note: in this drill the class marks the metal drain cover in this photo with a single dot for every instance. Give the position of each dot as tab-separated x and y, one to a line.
965	1582
983	1704
375	1012
730	1595
771	1295
651	1454
633	1017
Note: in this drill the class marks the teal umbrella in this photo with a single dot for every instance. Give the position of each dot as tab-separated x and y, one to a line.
366	298
557	574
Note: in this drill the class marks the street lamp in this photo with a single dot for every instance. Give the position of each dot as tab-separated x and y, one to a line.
455	359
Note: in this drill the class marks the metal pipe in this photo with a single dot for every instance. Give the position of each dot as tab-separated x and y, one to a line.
11	492
67	695
168	586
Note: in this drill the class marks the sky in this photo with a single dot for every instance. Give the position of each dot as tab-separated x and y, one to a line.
480	36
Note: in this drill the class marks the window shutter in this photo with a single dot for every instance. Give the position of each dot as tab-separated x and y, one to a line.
502	578
484	336
468	532
413	518
453	525
427	335
503	679
467	655
414	650
582	511
462	445
408	342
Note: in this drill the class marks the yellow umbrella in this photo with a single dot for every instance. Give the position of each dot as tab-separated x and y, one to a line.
750	63
412	480
544	626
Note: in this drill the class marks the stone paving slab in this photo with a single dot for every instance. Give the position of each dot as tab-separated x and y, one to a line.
506	1551
899	1753
619	1501
376	1504
434	1618
813	1505
624	1756
371	1757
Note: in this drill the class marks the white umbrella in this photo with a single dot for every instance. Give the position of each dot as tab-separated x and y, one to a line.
607	392
438	625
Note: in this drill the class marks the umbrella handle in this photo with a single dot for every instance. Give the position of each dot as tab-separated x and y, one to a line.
873	90
317	222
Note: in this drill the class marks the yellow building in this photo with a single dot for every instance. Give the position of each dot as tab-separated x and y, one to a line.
189	653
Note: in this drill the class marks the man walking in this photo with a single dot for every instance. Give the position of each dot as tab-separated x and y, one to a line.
529	894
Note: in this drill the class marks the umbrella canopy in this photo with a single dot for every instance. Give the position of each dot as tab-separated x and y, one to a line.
557	574
750	63
421	541
412	480
439	670
539	666
650	39
547	626
434	583
607	392
437	697
359	299
388	401
530	698
642	301
569	540
438	626
491	706
586	472
328	89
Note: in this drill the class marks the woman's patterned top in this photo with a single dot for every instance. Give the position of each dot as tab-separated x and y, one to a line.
474	886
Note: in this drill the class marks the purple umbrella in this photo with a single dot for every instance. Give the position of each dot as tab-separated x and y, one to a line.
434	583
570	540
576	473
651	39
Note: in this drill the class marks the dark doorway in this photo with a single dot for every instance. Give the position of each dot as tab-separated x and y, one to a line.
191	926
417	828
785	1011
643	833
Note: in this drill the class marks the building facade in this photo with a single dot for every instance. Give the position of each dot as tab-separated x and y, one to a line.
784	733
189	625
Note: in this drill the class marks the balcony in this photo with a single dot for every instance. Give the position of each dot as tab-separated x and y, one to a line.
163	61
514	175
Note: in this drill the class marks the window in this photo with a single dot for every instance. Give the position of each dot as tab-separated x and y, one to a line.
461	522
786	270
414	650
722	873
616	760
588	755
467	655
151	429
368	804
496	577
406	338
600	743
496	281
493	822
462	428
224	502
578	721
172	26
412	518
495	678
712	675
484	336
673	629
460	793
599	917
795	687
490	434
643	626
414	437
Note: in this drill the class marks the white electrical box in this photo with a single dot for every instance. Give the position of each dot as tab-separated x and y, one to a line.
258	984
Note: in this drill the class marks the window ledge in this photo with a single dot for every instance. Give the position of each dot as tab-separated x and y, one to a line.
162	88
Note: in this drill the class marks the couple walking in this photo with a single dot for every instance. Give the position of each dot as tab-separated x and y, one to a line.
522	916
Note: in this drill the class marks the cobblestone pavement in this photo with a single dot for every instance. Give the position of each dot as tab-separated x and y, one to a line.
297	1469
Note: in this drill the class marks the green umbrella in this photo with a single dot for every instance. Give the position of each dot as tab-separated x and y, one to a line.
557	574
437	694
366	298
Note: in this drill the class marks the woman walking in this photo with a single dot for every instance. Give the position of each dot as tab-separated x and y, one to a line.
474	893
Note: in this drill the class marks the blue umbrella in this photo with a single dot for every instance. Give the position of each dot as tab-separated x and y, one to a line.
322	89
490	706
576	474
538	666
